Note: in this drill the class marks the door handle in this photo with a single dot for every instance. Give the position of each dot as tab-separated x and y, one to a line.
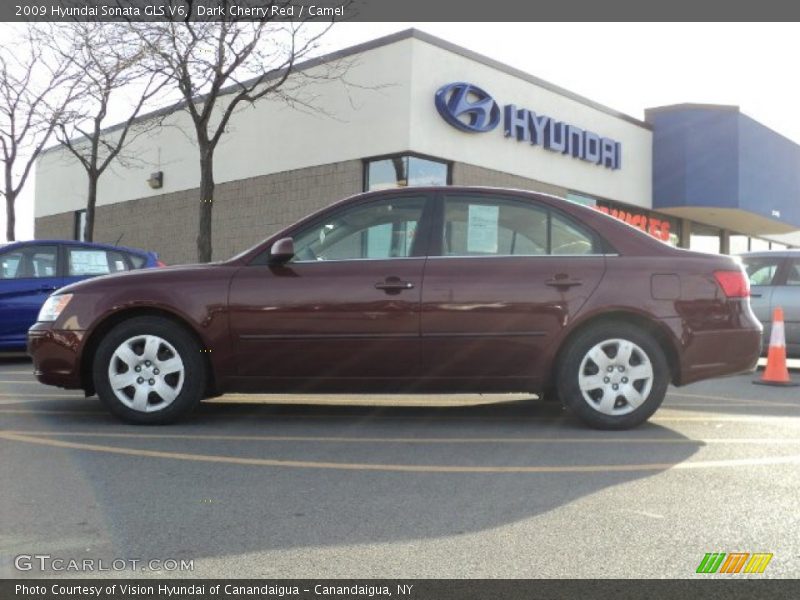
756	295
393	284
563	281
47	288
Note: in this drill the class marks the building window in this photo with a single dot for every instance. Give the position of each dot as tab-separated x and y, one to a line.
404	170
583	200
757	244
79	232
705	239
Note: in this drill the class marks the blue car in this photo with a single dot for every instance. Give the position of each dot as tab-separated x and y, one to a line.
31	271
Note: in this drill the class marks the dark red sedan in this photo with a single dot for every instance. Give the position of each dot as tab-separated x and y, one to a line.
415	290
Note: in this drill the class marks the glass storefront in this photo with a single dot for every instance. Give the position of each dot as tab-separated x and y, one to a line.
705	239
739	243
404	170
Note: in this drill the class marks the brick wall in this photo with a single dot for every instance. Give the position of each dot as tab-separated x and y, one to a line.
464	174
245	212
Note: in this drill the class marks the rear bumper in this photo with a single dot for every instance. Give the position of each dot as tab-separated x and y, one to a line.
56	355
719	353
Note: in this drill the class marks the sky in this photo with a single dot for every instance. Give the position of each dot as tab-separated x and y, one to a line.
626	66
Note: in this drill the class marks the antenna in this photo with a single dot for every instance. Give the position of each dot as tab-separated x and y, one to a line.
119	238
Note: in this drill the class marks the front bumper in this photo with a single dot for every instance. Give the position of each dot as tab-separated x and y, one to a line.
56	355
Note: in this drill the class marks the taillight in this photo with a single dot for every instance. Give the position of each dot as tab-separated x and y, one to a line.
734	284
160	263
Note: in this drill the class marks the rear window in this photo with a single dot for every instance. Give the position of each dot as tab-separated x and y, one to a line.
137	260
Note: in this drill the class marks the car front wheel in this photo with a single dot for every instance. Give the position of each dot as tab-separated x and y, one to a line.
613	376
149	370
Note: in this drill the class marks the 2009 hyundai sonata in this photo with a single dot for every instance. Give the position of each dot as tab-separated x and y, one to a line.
416	290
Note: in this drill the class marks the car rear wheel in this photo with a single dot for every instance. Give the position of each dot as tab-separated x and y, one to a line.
149	370
613	376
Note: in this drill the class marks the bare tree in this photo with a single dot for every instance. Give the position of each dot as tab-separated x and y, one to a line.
224	65
34	92
106	64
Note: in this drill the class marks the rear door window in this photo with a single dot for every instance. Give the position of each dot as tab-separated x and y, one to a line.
86	262
486	226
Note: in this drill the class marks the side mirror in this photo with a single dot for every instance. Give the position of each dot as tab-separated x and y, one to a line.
281	251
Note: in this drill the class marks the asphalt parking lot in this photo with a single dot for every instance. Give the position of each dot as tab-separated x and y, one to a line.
275	486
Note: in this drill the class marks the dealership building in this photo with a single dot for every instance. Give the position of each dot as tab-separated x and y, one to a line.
414	110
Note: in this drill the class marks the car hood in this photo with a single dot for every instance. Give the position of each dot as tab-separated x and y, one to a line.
143	277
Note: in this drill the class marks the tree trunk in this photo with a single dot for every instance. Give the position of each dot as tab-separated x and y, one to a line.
91	202
206	203
11	218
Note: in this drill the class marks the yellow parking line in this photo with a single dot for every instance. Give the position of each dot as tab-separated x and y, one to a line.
728	404
708	397
732	418
268	462
710	417
47	411
43	395
410	440
727	399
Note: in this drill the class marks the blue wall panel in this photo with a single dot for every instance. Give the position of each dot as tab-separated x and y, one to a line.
709	156
769	172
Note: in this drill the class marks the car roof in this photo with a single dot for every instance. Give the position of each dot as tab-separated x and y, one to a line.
787	253
76	243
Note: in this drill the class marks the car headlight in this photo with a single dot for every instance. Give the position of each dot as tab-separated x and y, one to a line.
53	307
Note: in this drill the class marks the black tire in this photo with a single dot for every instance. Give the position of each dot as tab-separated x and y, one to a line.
185	346
569	369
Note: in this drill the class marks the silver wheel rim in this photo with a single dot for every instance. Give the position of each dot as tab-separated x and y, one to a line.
615	377
146	373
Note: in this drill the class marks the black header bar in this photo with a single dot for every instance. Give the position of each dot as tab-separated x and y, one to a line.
402	10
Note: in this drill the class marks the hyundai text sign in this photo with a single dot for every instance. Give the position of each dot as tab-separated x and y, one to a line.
469	108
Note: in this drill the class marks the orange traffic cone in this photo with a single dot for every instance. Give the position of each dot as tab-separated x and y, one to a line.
776	372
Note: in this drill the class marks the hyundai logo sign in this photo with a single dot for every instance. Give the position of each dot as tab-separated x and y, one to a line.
469	108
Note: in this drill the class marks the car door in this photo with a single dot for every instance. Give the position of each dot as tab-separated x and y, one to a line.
762	272
510	274
28	275
346	306
787	295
